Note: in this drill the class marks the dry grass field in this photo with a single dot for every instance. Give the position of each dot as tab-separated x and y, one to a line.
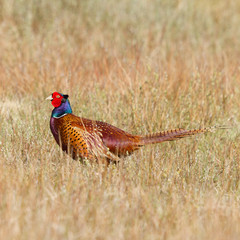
143	66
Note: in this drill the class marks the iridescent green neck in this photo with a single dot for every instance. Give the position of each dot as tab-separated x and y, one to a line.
62	110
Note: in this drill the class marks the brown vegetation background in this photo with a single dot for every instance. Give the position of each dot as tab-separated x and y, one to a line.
143	66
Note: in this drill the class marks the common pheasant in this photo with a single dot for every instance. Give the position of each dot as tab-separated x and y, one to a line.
94	140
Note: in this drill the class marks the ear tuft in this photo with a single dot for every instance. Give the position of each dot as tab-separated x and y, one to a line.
65	96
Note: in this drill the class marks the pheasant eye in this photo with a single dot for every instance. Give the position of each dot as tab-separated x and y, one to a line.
58	96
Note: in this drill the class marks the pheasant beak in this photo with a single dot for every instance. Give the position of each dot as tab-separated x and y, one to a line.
49	98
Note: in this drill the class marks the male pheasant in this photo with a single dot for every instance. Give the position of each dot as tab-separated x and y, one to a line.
95	140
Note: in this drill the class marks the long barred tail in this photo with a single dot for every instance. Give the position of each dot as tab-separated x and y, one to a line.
174	134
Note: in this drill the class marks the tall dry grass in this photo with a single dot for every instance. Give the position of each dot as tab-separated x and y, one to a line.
143	66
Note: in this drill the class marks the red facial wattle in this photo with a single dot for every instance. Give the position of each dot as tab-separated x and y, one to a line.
57	99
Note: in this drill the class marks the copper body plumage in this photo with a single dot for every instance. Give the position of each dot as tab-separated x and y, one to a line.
89	139
94	140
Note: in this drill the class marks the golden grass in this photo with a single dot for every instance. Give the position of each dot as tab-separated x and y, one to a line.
143	66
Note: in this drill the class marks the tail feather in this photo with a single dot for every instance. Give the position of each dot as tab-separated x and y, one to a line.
174	134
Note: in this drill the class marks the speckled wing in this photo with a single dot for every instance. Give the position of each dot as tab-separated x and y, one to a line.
92	139
113	139
118	141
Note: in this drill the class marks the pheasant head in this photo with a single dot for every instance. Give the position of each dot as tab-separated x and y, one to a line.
61	104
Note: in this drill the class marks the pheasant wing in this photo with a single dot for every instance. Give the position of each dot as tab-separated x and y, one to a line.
91	142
